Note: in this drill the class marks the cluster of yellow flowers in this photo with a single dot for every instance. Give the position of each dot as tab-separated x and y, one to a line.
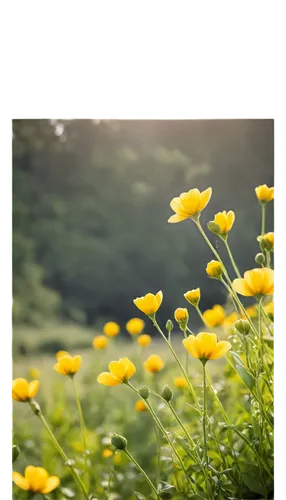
134	327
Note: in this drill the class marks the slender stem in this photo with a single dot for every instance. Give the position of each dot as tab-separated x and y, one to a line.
179	364
263	213
205	415
260	333
61	451
158	443
142	472
232	259
200	315
187	357
82	424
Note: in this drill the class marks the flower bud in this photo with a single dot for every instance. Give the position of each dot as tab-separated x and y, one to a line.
169	325
144	392
267	242
213	227
15	452
259	259
35	407
193	296
214	269
119	442
181	315
242	326
167	393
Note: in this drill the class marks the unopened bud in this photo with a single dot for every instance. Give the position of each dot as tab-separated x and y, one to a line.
35	407
167	393
169	325
214	269
181	315
119	442
242	326
15	452
259	259
144	392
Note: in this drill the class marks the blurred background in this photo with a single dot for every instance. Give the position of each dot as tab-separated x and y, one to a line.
90	209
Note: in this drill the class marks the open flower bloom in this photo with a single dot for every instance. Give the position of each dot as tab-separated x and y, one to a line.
193	296
135	326
36	479
140	406
264	193
150	303
180	382
215	316
154	364
119	371
144	340
23	391
67	365
189	205
111	329
100	342
205	346
224	220
258	281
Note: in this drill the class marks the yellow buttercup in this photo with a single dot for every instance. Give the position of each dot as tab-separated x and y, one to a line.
215	316
67	365
150	303
36	479
258	281
189	205
119	372
205	346
23	391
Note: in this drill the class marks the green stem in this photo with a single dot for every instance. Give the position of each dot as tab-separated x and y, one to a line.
263	213
205	414
142	472
260	333
200	315
232	259
82	424
158	443
39	414
179	364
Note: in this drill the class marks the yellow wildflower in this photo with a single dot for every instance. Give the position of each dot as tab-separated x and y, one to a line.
111	329
180	382
144	340
224	221
119	372
264	193
150	303
100	342
205	346
154	364
214	269
23	391
67	365
135	326
267	241
258	281
140	406
189	205
36	479
215	316
181	314
193	296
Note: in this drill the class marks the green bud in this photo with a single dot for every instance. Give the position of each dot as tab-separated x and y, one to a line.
169	325
119	442
35	407
144	392
15	452
259	259
242	326
167	393
213	227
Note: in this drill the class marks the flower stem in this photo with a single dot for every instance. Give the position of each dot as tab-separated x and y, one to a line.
263	213
142	472
60	450
82	425
179	363
205	414
232	259
200	315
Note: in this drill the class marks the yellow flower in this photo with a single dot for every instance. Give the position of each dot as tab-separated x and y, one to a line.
144	340
154	364
67	365
215	316
224	222
100	342
34	373
255	282
180	382
36	479
107	453
140	406
269	309
252	311
181	315
119	372
205	346
214	269
230	319
264	193
189	205
23	391
193	296
267	241
150	303
60	354
111	329
135	326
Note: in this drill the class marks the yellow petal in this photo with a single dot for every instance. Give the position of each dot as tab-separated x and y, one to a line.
60	354
76	364
20	389
177	207
191	201
65	363
206	344
205	198
129	368
106	378
230	219
177	218
159	298
51	483
36	477
33	388
118	369
268	275
20	481
240	286
221	349
191	345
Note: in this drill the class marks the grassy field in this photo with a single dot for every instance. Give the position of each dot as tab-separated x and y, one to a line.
112	409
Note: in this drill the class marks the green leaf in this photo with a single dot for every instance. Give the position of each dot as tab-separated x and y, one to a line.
214	456
252	484
185	445
140	496
236	358
247	378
